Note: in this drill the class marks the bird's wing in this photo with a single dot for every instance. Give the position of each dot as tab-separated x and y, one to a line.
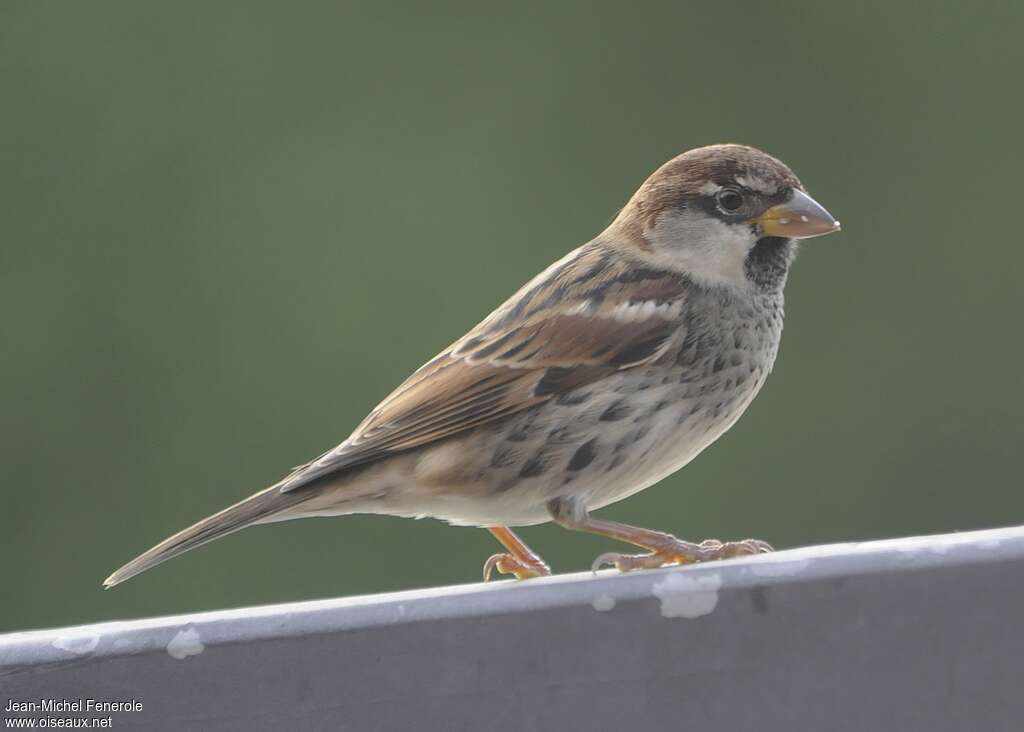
525	353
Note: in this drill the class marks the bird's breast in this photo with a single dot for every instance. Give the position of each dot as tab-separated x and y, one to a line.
609	439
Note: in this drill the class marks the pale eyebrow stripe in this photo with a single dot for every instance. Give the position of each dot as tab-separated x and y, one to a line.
755	184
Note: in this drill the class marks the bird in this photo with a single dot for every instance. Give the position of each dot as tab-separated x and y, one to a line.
608	371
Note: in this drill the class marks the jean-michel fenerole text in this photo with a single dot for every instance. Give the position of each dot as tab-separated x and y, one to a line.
73	705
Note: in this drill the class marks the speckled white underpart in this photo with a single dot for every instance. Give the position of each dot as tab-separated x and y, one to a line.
642	424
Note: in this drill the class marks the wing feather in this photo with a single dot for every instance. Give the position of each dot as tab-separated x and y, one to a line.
515	359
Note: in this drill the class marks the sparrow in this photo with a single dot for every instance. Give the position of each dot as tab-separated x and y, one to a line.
611	369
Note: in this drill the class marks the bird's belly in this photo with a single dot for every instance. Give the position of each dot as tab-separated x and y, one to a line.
600	447
672	446
696	415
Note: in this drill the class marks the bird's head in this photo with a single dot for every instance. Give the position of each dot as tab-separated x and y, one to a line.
723	215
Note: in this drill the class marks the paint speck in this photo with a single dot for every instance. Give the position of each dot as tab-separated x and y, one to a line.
779	568
603	602
918	546
687	597
185	643
78	646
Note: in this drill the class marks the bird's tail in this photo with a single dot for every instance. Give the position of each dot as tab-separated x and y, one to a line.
244	513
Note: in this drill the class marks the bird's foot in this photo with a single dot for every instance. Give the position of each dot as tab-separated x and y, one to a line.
511	564
681	552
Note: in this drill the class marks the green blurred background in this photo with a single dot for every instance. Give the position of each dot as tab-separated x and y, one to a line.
229	229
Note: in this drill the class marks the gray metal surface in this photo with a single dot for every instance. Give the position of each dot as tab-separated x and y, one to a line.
911	634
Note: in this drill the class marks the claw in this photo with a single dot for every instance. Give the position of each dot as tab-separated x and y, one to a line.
629	562
682	552
603	559
741	548
509	564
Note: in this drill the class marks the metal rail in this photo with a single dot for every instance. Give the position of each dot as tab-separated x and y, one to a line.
908	634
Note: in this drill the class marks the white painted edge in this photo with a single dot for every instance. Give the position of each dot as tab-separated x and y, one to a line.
601	591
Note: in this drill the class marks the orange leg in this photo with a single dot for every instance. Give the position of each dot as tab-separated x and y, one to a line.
520	559
664	548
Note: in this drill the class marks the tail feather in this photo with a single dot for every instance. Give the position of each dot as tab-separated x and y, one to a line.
244	513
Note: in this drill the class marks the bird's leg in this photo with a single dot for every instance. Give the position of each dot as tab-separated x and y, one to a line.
520	560
664	548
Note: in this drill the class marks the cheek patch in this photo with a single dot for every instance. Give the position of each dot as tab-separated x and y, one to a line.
705	248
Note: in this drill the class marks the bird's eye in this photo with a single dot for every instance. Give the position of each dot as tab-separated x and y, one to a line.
729	200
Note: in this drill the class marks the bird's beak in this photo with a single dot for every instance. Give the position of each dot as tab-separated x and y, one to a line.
801	217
